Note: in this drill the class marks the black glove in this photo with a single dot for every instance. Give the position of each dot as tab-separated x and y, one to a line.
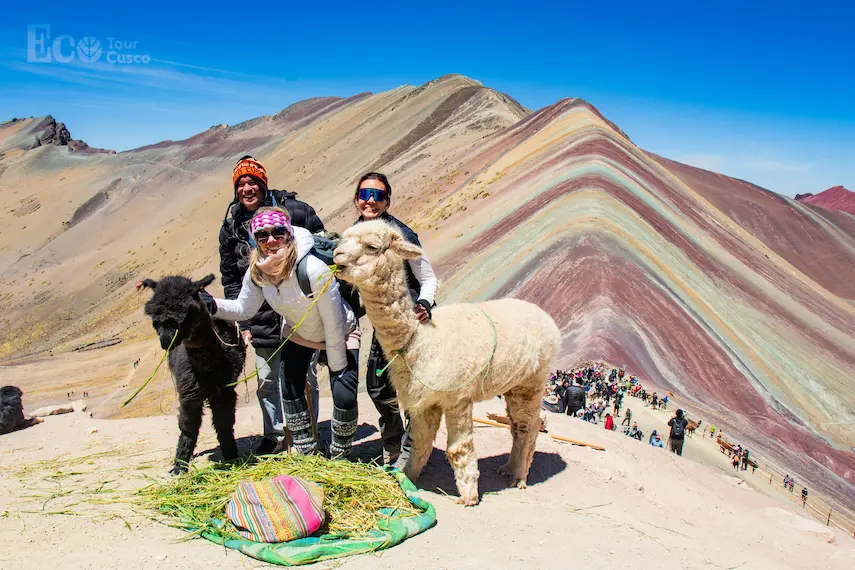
426	305
208	301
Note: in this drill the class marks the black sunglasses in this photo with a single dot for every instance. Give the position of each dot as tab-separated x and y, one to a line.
261	236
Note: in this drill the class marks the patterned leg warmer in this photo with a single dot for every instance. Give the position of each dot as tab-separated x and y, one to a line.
343	430
299	423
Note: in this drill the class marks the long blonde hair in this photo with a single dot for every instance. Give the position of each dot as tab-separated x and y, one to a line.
279	272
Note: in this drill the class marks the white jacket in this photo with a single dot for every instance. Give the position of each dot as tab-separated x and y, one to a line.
330	321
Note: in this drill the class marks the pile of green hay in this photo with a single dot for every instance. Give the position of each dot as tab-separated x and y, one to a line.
354	493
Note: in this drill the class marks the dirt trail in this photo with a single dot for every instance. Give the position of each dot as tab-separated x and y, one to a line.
640	506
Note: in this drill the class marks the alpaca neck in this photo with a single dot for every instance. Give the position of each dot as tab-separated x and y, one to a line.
203	334
390	309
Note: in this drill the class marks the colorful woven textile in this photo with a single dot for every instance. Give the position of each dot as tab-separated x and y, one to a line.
277	510
389	532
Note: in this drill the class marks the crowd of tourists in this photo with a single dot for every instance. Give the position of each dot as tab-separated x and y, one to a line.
595	393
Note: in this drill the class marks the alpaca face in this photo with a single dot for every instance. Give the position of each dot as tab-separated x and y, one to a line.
372	250
10	396
175	306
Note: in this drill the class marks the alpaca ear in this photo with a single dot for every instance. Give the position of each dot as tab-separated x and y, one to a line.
150	283
204	281
404	248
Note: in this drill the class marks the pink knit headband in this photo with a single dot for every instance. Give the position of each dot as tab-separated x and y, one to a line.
272	219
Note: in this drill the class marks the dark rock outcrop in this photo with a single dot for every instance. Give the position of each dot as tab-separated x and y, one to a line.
49	132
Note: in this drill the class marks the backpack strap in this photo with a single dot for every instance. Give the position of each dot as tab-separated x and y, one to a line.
303	275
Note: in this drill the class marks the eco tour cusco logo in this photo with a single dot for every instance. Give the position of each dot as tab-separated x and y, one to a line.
41	48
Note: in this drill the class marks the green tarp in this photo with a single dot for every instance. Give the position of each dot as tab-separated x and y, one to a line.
389	532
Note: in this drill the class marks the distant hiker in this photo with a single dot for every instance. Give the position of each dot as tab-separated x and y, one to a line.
712	431
373	198
559	393
618	401
786	480
656	440
610	422
574	399
745	460
328	324
804	495
678	431
635	433
263	330
627	417
736	450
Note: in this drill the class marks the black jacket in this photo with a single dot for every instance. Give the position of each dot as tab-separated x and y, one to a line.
575	397
235	248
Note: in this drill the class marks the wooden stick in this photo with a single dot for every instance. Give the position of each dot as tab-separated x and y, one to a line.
505	420
555	437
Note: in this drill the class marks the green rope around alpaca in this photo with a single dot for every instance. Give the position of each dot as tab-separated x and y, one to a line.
400	352
333	270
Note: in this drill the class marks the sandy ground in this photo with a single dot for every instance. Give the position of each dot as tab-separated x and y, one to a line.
630	506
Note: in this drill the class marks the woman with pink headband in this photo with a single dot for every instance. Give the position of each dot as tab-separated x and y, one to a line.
328	325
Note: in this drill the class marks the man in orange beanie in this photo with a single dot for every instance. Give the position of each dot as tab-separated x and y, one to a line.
249	179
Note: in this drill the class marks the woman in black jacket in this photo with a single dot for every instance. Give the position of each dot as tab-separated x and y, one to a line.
372	200
264	329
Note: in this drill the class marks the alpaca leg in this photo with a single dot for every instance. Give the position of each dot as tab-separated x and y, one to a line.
524	413
223	415
461	453
189	422
422	433
510	406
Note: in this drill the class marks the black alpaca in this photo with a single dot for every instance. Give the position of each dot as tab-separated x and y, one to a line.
12	411
206	359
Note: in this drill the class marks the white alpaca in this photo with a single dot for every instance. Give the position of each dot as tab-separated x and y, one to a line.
445	366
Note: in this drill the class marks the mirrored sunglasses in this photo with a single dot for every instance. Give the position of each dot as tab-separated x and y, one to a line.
368	193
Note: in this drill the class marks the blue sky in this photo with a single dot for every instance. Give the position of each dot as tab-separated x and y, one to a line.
764	93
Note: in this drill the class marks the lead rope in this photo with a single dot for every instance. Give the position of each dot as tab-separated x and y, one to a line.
333	270
400	352
219	338
318	295
160	398
156	368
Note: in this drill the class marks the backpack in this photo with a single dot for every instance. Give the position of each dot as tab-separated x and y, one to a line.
323	249
679	427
